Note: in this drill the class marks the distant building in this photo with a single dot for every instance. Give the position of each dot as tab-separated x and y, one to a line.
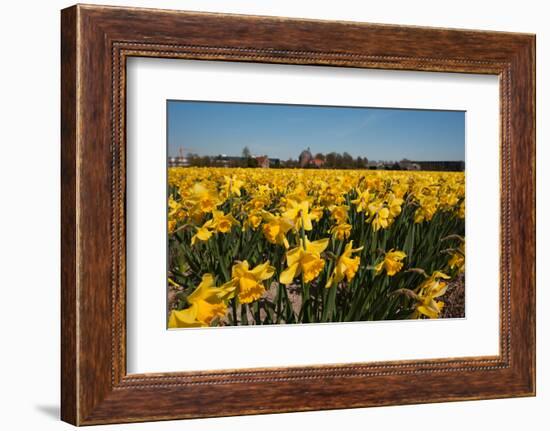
318	163
178	162
274	163
407	165
305	158
373	164
457	166
225	161
263	161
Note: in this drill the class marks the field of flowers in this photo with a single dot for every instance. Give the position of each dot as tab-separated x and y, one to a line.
273	246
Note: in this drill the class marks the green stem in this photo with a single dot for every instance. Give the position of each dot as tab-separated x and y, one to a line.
331	302
244	317
279	308
330	299
256	311
306	306
234	310
221	261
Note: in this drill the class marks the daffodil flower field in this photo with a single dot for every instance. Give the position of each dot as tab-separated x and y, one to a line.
252	246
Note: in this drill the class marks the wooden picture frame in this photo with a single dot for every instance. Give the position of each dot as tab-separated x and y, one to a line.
95	43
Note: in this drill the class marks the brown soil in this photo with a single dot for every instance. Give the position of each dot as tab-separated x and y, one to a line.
454	299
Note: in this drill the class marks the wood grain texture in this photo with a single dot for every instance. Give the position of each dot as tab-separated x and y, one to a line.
69	397
96	41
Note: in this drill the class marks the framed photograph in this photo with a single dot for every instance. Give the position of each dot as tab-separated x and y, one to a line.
323	214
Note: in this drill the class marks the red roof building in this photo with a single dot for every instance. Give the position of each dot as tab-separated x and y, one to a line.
263	161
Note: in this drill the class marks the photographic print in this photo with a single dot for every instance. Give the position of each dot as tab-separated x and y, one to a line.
296	214
283	212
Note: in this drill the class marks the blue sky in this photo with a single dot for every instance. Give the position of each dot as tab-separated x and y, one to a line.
283	131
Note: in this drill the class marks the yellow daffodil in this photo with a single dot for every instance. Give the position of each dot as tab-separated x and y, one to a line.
232	185
298	212
175	209
203	233
430	289
249	282
379	216
276	228
341	231
258	203
394	205
316	213
399	190
306	260
205	303
171	226
203	199
427	209
339	213
299	194
461	210
448	200
264	189
457	260
223	222
362	201
391	262
176	212
346	266
254	219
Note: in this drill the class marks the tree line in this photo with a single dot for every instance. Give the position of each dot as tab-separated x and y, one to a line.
342	161
332	160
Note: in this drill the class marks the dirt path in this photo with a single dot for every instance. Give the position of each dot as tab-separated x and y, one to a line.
454	299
